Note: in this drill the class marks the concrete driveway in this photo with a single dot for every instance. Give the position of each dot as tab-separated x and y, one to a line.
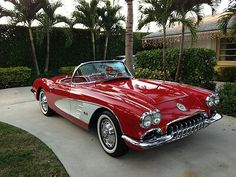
209	153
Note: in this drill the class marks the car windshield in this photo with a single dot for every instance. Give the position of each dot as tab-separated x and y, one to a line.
103	70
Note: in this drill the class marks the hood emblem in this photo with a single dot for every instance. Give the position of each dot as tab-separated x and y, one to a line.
181	107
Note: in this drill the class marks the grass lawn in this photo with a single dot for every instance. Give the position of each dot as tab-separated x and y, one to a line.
23	155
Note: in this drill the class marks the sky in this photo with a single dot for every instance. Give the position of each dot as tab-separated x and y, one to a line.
69	6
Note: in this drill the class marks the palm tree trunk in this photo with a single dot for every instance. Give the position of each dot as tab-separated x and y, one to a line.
105	48
93	43
33	50
129	36
164	52
48	53
181	53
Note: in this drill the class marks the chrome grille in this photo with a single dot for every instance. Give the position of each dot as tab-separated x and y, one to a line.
186	126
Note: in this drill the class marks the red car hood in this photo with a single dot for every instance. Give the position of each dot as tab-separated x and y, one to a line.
144	92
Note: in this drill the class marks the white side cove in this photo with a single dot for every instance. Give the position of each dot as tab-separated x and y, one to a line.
79	109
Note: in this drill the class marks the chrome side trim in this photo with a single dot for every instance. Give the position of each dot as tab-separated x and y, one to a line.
177	135
95	104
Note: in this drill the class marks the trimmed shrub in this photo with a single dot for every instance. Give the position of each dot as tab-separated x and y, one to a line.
148	74
68	70
197	67
227	74
228	99
16	51
17	76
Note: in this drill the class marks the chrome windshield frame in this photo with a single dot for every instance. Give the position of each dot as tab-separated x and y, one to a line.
100	61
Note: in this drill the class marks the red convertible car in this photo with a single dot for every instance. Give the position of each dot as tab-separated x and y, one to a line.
126	112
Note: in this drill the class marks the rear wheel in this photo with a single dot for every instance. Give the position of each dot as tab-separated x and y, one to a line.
109	135
43	103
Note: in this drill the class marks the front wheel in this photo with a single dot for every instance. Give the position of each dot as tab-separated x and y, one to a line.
43	103
109	135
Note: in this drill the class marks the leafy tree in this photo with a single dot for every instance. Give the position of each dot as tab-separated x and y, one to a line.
129	36
182	10
47	20
25	12
109	21
159	11
86	14
229	16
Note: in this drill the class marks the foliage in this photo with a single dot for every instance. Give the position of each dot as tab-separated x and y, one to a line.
14	44
228	17
228	99
68	70
109	21
152	59
148	73
198	68
47	20
17	76
160	12
227	74
86	14
25	12
21	154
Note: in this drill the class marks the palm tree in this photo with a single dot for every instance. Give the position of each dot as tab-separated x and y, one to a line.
25	11
187	22
159	11
109	21
229	16
182	9
86	14
47	20
129	36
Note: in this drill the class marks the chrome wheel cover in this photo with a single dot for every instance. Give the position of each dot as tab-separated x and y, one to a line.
43	102
107	133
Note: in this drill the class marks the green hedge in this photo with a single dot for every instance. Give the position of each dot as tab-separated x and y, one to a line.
197	68
17	76
227	74
16	50
148	74
228	99
68	70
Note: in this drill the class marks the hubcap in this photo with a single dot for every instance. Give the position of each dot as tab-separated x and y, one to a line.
43	102
108	134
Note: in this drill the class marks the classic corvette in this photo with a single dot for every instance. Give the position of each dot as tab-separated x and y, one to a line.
126	112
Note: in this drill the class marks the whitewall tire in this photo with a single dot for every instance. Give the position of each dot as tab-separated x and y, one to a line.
109	135
43	103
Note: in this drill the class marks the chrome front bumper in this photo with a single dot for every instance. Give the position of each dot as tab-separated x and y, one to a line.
147	144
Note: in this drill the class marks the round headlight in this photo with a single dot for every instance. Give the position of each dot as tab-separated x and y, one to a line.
156	117
146	121
217	99
212	100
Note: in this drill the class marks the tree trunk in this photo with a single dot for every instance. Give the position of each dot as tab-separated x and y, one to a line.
164	52
181	53
33	51
93	43
129	36
48	54
105	49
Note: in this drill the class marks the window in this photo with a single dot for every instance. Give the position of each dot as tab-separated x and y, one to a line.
227	49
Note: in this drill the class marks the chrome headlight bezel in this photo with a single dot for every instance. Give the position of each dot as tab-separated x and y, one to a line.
212	100
150	118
